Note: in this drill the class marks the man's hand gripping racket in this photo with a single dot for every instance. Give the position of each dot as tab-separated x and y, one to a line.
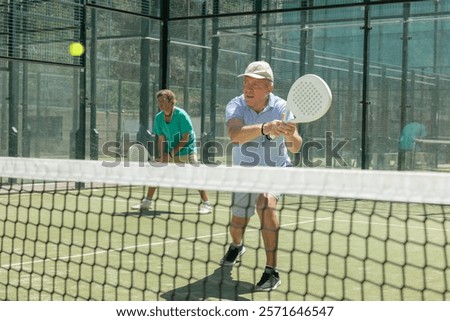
308	99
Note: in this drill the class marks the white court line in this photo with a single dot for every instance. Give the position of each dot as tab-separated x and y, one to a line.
68	258
394	225
100	252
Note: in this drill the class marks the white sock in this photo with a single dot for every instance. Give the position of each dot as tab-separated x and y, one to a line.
270	269
236	245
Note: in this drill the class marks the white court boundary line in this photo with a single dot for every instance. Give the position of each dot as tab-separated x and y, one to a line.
68	258
100	252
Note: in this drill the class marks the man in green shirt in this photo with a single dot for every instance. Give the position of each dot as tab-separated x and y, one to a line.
176	143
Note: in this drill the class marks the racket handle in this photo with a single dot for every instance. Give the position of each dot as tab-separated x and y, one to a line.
283	118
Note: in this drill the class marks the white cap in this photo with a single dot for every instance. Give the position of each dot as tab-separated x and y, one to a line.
259	70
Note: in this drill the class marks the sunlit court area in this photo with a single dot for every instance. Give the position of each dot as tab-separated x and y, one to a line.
363	208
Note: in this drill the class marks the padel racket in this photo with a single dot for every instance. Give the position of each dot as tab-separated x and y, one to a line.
138	153
308	99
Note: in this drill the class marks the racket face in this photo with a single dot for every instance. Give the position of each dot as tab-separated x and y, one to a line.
138	153
309	99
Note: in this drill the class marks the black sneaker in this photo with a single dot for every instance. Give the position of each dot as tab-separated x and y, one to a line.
232	255
269	281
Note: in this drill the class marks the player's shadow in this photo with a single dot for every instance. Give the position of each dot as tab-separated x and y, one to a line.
219	285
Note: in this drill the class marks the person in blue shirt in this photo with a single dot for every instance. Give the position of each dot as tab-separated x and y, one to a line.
176	143
412	131
261	136
408	145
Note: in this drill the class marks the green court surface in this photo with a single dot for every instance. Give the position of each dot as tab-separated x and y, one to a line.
88	245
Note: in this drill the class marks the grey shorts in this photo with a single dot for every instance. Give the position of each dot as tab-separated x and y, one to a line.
244	204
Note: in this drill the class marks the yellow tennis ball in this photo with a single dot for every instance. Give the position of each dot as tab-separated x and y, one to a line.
76	49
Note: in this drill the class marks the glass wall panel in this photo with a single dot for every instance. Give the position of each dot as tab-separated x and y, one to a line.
111	88
123	73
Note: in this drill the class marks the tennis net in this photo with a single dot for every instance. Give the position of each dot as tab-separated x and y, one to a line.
68	232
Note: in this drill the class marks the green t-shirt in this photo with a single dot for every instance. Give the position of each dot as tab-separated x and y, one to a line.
173	131
410	133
